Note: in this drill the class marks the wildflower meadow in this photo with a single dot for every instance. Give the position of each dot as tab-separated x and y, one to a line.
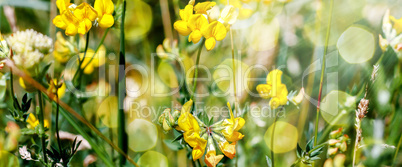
158	83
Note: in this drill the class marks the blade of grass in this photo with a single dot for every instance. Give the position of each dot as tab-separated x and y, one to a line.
122	134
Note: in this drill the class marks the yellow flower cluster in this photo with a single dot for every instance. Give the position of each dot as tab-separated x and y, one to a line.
200	137
79	19
274	89
204	23
33	122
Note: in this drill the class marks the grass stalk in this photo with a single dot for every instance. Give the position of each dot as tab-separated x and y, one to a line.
122	135
396	151
323	69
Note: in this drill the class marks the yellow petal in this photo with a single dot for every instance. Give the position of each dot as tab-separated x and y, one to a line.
215	29
195	36
211	159
62	5
58	22
186	12
71	30
240	123
106	21
85	11
264	90
197	22
181	27
197	153
210	43
274	103
220	31
203	7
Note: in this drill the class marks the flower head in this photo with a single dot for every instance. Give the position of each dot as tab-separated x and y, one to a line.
29	48
104	9
215	31
196	23
182	25
274	89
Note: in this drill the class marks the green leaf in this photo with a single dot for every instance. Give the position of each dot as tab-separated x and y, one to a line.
299	151
177	138
175	146
269	161
310	144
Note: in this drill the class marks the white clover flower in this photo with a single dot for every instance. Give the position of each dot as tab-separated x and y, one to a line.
29	47
25	154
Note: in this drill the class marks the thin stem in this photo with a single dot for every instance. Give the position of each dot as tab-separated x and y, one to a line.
317	147
196	68
80	61
97	48
122	135
234	74
272	141
323	69
57	117
42	126
396	151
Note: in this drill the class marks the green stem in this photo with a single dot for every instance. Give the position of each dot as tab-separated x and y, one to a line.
397	150
80	61
97	48
42	126
196	68
272	141
122	135
57	118
317	147
323	69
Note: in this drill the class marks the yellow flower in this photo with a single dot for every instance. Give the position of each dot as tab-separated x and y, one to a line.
203	7
229	149
87	14
62	49
189	124
33	122
397	24
215	31
105	10
97	61
196	23
232	126
78	20
211	159
182	25
274	89
62	5
60	91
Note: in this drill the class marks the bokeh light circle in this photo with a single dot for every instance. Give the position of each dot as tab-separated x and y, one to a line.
356	45
153	159
285	137
335	106
142	135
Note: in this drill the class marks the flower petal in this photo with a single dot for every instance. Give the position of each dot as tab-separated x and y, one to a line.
210	43
106	21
